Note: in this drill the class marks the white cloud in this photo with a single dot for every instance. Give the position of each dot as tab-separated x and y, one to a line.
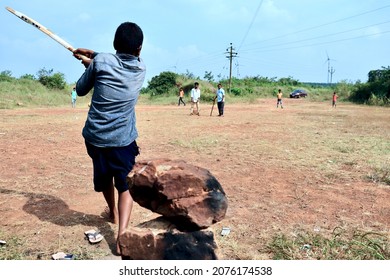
84	17
373	32
189	51
270	10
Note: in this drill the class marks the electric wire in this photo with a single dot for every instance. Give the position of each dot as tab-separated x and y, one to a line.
321	25
318	37
251	24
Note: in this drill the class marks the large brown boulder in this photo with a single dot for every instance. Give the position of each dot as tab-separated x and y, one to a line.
187	195
151	242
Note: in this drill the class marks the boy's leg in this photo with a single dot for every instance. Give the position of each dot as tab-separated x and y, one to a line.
109	196
125	205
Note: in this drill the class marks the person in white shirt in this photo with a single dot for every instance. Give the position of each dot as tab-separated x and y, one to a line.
195	98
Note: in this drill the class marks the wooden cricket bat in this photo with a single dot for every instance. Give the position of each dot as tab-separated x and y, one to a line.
41	28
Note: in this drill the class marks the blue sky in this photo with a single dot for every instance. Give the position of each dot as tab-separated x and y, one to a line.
273	38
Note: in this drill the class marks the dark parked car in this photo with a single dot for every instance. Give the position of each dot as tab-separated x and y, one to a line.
298	93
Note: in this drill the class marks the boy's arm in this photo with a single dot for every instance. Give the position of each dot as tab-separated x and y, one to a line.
85	55
86	81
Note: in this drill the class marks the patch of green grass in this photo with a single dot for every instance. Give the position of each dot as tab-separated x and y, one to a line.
13	249
380	175
341	245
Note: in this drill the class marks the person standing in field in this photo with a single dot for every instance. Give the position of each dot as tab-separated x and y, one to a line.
279	99
195	98
74	97
334	99
220	96
181	95
110	131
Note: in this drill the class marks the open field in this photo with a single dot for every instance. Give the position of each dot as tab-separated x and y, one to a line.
307	169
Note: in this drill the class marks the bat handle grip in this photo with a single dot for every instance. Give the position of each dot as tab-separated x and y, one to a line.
85	60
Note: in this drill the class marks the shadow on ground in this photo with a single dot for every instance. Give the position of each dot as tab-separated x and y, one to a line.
51	209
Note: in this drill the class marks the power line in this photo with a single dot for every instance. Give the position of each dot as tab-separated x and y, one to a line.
213	58
321	25
251	24
328	42
318	37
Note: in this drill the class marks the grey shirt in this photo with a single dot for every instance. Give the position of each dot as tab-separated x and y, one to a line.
117	80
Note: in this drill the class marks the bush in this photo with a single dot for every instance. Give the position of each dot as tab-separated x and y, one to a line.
50	80
376	91
28	77
236	91
162	83
6	76
361	93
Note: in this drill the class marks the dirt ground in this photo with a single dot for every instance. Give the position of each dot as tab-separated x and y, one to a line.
306	167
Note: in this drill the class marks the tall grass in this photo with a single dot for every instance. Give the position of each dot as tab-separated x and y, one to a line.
341	245
31	93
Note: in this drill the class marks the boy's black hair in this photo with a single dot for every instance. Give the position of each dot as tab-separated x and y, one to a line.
128	38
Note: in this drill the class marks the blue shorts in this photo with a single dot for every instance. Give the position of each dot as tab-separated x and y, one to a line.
112	163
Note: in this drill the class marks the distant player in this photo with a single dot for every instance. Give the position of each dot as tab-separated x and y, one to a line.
334	99
279	99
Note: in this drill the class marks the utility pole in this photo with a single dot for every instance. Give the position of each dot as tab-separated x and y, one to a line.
230	56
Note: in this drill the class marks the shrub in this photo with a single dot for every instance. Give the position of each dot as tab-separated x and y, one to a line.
50	80
376	91
6	76
236	91
162	83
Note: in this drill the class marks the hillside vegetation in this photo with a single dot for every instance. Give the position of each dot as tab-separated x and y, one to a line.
50	89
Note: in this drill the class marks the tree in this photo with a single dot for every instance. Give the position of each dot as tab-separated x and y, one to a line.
27	77
50	80
208	76
6	76
162	83
288	81
377	88
189	75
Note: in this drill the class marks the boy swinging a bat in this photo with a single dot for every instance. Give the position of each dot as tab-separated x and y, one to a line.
110	129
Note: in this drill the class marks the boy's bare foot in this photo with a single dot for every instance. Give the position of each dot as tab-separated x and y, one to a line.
111	216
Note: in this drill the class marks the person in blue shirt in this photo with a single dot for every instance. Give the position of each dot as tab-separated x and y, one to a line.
74	97
220	96
110	131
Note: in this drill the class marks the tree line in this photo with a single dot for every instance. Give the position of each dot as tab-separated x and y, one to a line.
376	91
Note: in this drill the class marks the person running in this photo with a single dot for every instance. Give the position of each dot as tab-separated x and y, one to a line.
181	95
279	99
110	129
